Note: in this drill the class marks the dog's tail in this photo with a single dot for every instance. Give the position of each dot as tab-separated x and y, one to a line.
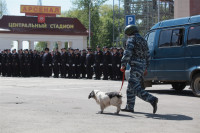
114	94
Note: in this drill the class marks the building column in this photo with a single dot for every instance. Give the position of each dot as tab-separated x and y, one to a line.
31	45
70	45
19	44
50	46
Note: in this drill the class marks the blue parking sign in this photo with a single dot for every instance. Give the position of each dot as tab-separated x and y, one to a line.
130	20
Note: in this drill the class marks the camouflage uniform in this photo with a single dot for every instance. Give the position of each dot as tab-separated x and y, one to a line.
137	55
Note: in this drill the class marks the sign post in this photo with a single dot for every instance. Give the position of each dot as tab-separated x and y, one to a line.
130	20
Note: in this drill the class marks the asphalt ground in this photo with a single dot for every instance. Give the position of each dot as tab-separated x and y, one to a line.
48	105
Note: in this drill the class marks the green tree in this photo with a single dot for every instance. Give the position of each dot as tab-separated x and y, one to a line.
3	7
40	46
81	11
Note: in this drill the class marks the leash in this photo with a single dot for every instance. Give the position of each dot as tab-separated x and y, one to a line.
122	80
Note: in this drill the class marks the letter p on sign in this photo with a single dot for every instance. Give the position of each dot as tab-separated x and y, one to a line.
130	20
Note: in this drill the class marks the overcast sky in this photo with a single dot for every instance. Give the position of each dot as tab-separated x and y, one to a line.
13	6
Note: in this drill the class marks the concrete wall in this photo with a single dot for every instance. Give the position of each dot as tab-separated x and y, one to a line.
186	8
181	8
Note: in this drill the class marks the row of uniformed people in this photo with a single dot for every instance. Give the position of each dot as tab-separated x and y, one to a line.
71	63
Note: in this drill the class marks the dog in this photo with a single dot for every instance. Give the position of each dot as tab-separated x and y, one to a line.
107	99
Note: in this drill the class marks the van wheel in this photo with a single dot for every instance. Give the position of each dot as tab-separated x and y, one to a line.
178	86
196	85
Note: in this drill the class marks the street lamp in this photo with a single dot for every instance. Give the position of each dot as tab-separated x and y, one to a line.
89	23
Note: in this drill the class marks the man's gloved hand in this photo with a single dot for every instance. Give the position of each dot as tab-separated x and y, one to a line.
123	69
145	72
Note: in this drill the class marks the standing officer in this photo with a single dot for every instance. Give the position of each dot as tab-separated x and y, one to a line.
106	63
15	63
89	64
46	63
0	62
27	64
21	62
56	63
77	63
9	63
115	64
98	63
35	64
71	63
3	61
83	63
64	64
120	74
137	55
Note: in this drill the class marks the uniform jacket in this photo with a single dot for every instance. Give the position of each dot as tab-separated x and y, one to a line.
136	51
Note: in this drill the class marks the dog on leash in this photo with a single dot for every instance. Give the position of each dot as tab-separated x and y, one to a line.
106	99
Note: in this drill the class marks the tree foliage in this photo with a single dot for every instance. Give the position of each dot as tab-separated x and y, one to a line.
3	7
101	20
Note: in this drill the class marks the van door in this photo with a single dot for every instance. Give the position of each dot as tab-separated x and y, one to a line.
169	55
193	49
150	37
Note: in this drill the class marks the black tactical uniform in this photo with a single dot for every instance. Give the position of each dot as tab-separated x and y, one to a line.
46	63
27	64
0	63
77	64
56	63
71	62
106	64
3	62
115	65
9	64
64	64
15	64
41	70
83	64
98	64
120	74
21	64
89	64
35	64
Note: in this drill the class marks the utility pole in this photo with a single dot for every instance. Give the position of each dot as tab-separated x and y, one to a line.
89	23
158	10
119	25
113	21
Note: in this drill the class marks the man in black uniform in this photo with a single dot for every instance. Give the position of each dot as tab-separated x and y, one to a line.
120	75
115	64
64	63
71	62
9	63
21	63
83	63
46	63
15	63
89	64
56	63
77	63
106	63
3	62
27	64
98	63
0	62
35	64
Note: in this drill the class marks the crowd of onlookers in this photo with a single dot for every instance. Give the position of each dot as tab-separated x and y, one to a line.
69	63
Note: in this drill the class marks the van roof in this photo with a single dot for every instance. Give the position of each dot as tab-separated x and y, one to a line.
177	22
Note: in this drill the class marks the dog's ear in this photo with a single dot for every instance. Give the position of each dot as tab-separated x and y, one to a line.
91	95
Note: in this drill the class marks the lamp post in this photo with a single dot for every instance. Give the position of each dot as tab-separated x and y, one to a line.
158	10
89	23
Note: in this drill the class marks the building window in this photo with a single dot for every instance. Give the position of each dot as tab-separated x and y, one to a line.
194	35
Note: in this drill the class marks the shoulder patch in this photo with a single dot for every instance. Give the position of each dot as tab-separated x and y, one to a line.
114	94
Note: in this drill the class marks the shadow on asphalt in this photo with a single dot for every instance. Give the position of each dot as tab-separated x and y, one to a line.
119	115
173	92
175	117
